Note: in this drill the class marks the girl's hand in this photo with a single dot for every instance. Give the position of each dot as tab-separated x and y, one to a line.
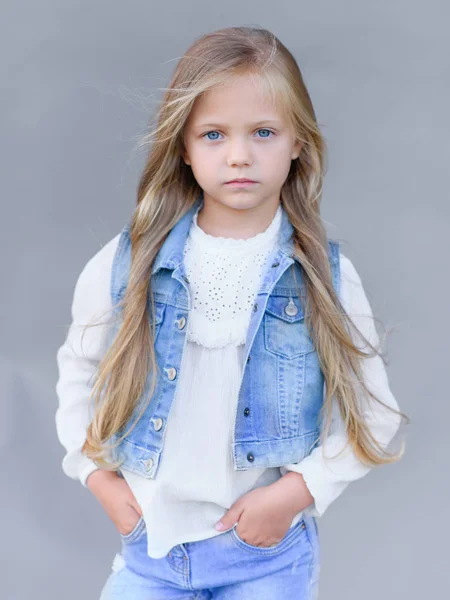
116	497
265	514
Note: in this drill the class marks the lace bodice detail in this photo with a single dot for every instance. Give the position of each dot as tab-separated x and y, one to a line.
224	277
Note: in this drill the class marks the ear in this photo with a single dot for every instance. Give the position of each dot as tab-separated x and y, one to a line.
296	149
183	150
185	157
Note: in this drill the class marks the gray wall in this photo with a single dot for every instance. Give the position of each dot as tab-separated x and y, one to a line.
79	82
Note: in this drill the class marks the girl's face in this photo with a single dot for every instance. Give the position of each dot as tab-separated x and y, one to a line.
233	132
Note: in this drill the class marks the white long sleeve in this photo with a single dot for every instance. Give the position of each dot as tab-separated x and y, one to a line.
79	356
326	480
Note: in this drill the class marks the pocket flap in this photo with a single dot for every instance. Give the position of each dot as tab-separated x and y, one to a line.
287	308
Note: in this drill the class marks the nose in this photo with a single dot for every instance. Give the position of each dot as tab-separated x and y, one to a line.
238	153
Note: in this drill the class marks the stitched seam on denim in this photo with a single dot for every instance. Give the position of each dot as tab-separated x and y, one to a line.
181	571
135	533
280	391
311	565
123	239
287	542
187	581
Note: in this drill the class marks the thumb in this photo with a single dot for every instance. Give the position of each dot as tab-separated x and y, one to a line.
229	518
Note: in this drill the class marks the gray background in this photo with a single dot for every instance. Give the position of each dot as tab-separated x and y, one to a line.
80	80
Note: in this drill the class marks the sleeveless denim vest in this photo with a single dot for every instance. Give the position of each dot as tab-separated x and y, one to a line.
282	385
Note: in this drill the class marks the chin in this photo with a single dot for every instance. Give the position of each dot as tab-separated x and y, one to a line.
243	203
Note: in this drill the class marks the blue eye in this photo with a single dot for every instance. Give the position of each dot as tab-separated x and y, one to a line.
217	133
209	133
268	130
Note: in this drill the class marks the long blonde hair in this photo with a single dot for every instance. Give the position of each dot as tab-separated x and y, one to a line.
168	189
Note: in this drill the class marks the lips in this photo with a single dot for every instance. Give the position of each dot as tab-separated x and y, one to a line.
241	181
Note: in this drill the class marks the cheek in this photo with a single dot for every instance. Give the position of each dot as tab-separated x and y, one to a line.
206	161
203	167
200	155
278	165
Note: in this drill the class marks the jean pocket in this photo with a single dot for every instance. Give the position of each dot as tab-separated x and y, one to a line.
135	533
291	536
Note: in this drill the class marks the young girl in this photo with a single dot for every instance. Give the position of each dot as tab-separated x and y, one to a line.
238	384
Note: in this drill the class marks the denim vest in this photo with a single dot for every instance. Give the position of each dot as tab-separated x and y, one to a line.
282	385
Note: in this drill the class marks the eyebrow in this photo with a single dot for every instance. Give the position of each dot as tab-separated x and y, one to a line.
263	121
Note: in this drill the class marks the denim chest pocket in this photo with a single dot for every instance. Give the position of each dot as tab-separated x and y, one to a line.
285	330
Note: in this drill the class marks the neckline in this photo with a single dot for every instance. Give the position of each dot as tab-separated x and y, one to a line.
208	241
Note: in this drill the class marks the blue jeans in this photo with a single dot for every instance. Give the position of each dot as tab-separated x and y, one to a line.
223	567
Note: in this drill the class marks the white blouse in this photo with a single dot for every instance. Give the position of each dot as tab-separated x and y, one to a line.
196	482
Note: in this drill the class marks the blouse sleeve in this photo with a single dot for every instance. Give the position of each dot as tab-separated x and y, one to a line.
79	357
326	480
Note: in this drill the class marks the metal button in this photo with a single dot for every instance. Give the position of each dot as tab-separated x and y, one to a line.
186	279
246	411
255	307
157	423
181	323
171	373
148	464
248	359
275	264
250	457
290	308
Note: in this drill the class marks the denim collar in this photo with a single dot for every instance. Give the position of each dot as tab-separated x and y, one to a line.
170	254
